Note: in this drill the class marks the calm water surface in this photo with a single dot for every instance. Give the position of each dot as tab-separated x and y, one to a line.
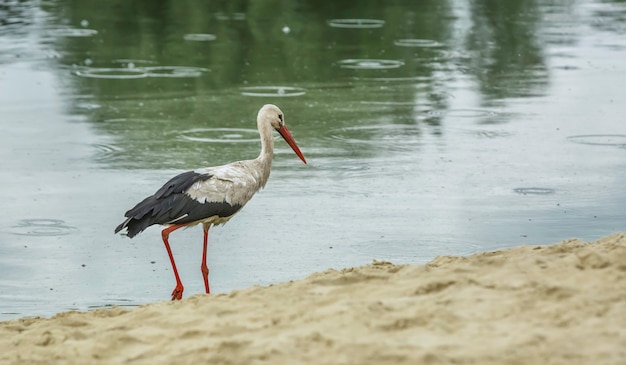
438	128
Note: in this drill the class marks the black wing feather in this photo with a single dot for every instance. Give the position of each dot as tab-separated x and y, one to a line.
170	202
180	183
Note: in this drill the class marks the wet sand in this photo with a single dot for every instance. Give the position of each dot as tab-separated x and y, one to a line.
556	304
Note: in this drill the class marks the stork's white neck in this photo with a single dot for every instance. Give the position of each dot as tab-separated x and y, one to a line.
267	151
267	142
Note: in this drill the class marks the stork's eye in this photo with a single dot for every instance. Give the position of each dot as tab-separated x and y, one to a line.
280	116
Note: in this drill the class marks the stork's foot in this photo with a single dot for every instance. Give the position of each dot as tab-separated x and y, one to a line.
177	294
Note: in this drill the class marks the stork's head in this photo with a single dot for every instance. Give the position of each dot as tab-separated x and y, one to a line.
272	115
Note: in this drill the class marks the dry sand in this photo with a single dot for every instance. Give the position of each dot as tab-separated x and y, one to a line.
558	304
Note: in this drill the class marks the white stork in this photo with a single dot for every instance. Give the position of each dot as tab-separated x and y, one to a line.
210	195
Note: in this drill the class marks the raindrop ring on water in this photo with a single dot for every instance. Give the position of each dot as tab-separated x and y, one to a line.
389	103
463	113
41	227
112	73
370	64
140	72
355	23
220	135
392	79
534	191
105	151
616	140
41	222
276	91
425	43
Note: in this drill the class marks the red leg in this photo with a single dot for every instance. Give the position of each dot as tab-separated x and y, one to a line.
203	267
177	294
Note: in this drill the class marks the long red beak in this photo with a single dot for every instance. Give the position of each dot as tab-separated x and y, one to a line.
284	132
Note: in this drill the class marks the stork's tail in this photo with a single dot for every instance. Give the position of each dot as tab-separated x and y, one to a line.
134	226
139	218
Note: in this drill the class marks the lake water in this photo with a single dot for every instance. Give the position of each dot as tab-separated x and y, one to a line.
430	128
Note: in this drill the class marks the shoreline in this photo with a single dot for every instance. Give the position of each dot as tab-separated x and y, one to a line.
558	303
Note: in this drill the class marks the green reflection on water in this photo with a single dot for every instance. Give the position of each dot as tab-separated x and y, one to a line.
492	47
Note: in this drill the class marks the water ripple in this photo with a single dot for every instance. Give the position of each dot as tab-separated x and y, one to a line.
389	103
42	227
395	79
356	23
463	113
277	91
370	64
105	151
423	43
615	140
220	135
492	134
132	72
111	73
534	191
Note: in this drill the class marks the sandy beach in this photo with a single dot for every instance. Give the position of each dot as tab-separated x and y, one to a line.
556	304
